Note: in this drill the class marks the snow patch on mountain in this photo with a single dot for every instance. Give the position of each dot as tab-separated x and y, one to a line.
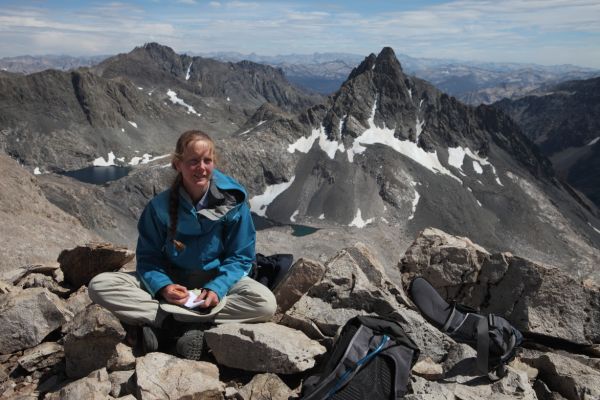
359	222
456	158
304	144
418	129
294	215
176	100
133	124
593	141
145	159
415	201
259	203
187	74
385	136
101	162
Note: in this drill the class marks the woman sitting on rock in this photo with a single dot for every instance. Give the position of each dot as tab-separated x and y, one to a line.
196	238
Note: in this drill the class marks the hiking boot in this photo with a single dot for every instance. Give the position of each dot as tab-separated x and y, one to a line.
190	344
132	334
149	339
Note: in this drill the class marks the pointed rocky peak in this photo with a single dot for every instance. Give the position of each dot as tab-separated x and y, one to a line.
156	51
387	62
366	65
377	94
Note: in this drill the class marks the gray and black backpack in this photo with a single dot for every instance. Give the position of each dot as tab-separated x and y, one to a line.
371	359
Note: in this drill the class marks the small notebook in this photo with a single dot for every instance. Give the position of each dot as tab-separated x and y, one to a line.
193	295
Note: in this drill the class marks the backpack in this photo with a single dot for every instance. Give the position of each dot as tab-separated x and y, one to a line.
494	338
270	270
371	359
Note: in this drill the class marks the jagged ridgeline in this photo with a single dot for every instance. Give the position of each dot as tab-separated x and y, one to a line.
130	105
389	150
382	158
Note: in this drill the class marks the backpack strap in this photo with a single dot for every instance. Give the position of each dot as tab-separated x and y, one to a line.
483	344
365	344
496	333
355	350
353	369
403	358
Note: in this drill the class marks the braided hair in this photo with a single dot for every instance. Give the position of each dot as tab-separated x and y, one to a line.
184	140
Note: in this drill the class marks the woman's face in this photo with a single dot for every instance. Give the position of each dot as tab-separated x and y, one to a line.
196	166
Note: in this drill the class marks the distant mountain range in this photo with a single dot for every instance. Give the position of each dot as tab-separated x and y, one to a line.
31	64
470	81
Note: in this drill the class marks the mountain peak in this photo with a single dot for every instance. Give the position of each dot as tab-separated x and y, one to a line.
156	51
385	62
387	55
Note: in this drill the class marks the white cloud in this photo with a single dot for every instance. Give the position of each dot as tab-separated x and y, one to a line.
190	2
548	31
241	4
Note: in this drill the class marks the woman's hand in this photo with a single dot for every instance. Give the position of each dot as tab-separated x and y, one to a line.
175	294
210	298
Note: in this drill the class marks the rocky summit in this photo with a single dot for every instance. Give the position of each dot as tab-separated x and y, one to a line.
61	346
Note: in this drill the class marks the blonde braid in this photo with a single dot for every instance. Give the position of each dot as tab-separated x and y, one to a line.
173	212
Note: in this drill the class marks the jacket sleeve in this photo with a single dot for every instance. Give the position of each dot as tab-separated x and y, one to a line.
239	239
151	262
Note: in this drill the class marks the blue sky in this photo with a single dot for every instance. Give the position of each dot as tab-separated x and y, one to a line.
537	31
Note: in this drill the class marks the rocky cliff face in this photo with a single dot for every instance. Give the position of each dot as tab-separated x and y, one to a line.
388	150
131	104
563	121
245	85
33	230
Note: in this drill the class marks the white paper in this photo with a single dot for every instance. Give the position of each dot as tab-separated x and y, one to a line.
190	301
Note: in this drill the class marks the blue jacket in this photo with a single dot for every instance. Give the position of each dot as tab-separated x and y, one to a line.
220	238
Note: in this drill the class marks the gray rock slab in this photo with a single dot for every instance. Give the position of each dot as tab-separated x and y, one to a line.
265	347
534	297
122	359
161	376
78	300
120	383
567	376
17	274
355	283
6	287
40	280
265	387
44	355
302	276
428	369
82	263
28	316
514	385
91	340
317	318
95	386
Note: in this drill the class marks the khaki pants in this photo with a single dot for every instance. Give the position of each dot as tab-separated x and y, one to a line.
121	293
